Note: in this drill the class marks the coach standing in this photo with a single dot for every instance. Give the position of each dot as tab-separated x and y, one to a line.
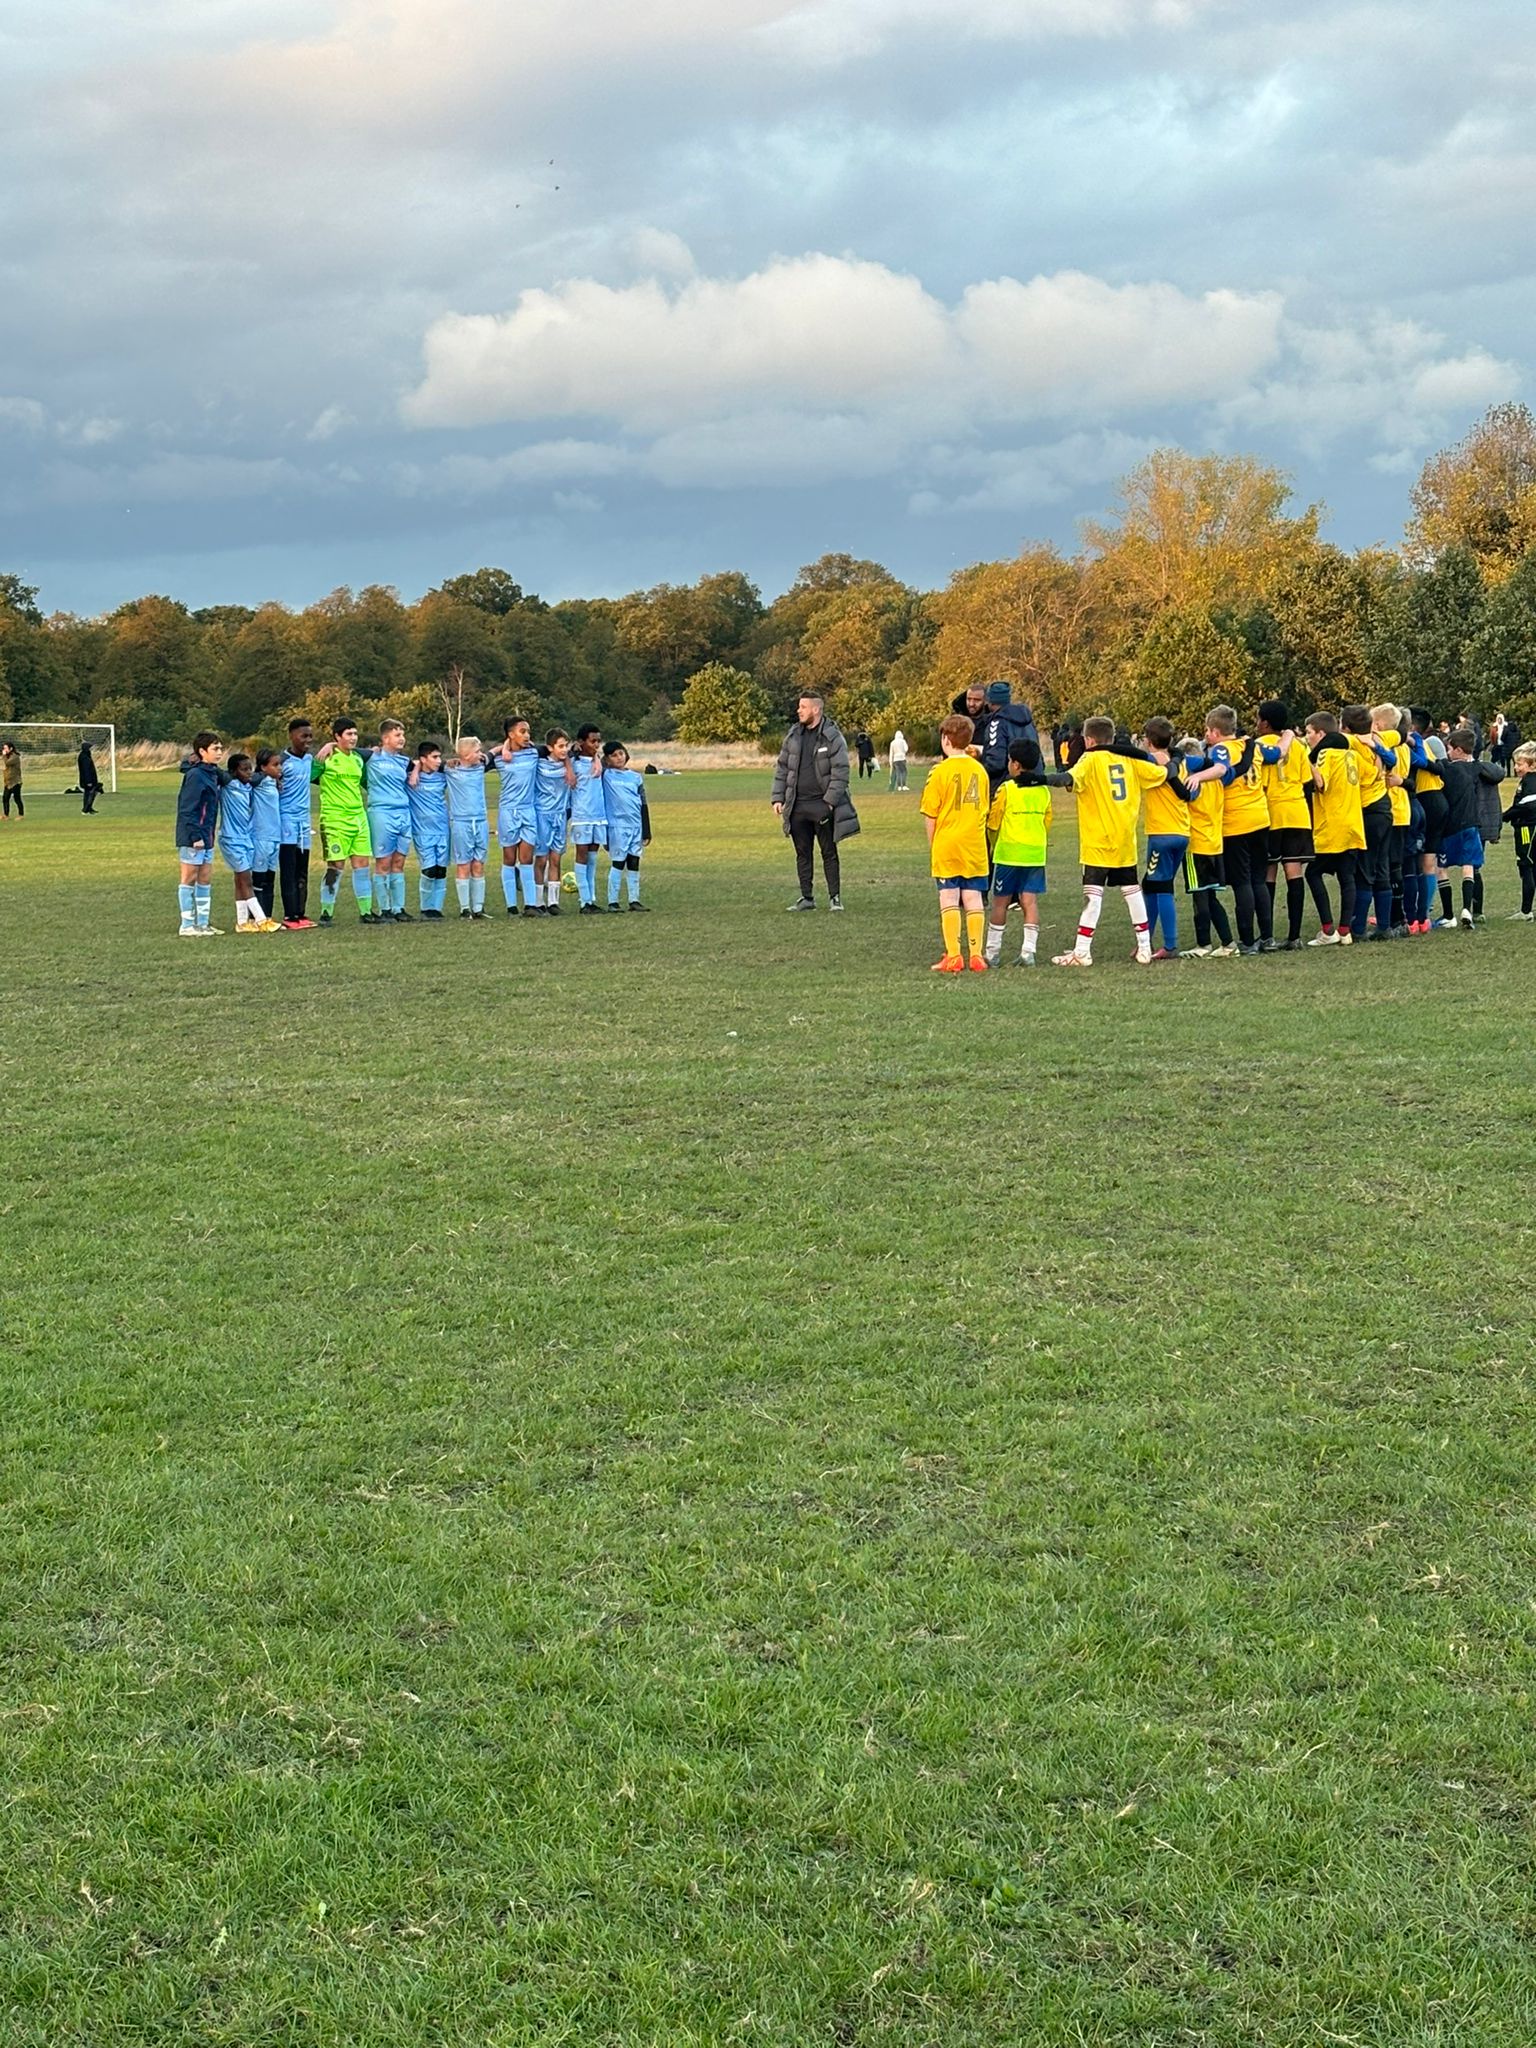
810	795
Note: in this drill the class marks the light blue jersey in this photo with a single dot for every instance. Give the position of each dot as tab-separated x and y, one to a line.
517	814
266	824
389	802
623	800
428	799
469	823
235	840
589	820
298	773
553	800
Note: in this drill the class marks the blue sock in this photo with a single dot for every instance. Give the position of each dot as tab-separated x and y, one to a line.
530	887
591	867
202	896
328	890
1384	910
634	884
509	884
1170	920
362	889
440	892
477	892
186	897
583	883
462	885
615	876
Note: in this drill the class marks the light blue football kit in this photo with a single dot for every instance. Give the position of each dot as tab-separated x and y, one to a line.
428	800
236	843
553	800
389	802
266	824
469	827
624	802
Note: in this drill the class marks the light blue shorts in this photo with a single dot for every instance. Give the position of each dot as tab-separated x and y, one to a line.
238	855
550	837
432	853
264	856
389	835
624	849
469	837
589	831
517	828
195	856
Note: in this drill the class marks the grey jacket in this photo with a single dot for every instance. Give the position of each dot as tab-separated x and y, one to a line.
831	777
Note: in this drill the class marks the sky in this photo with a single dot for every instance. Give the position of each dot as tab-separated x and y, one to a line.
322	292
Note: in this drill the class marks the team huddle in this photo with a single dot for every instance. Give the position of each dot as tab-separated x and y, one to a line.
379	803
1370	806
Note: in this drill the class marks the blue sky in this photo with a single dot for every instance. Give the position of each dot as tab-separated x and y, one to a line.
302	294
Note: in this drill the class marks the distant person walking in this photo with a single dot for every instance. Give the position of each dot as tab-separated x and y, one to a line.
810	795
864	747
10	779
88	778
899	751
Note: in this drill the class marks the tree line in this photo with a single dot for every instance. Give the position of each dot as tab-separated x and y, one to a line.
1205	583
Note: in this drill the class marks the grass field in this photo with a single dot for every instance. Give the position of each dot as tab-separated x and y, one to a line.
687	1483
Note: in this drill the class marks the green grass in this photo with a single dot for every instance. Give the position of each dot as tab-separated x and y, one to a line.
687	1483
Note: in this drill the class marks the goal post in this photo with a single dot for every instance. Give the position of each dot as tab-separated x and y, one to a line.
50	753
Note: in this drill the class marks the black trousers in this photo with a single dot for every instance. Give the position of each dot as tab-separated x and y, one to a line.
808	830
14	791
293	877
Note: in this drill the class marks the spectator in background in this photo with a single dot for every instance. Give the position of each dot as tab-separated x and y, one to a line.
10	779
810	795
1505	737
899	751
89	779
864	747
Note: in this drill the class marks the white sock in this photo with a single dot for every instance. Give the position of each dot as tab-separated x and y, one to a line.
1136	904
1031	940
994	946
1088	923
552	891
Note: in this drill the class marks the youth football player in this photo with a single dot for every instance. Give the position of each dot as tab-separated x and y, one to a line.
293	852
343	780
1387	722
468	821
1373	865
1426	751
1338	832
1244	833
1109	792
1285	775
266	829
955	805
1019	824
388	767
517	816
1462	845
1168	829
427	794
237	840
589	821
629	823
553	784
197	825
1521	818
1204	872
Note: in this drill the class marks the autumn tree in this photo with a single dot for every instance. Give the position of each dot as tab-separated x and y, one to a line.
1480	495
719	705
1500	668
1183	665
1030	622
1422	626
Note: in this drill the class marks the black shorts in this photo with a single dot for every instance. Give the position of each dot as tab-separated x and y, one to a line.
1290	842
1204	871
1111	878
1247	854
1436	812
1336	863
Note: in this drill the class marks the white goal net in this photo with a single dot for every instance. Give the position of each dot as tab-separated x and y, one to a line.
50	755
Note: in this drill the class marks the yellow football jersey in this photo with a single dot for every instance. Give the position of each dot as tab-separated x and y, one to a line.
1337	826
1243	807
1108	803
1373	782
1398	797
1285	783
1167	813
957	796
1205	815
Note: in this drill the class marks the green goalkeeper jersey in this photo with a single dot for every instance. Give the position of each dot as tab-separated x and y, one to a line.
343	788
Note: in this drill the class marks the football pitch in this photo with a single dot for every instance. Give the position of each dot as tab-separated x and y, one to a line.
679	1480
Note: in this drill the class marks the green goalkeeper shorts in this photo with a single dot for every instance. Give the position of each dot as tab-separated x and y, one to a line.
347	838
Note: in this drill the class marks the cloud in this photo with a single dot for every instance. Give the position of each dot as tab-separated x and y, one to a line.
839	31
329	423
830	334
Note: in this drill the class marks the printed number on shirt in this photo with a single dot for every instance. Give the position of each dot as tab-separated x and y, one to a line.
1117	781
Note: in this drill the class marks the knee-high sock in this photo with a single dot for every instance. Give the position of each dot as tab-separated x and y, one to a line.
949	925
186	898
1136	904
1295	906
975	931
203	897
462	885
1445	897
1088	923
615	876
509	884
477	892
1477	894
329	884
583	883
590	865
362	889
632	876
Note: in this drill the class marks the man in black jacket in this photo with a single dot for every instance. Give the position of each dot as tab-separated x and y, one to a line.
810	795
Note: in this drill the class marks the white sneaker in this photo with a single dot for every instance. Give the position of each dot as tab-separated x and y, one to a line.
1143	956
188	931
1224	952
1445	924
1522	917
1466	920
1070	960
1197	952
1325	939
209	931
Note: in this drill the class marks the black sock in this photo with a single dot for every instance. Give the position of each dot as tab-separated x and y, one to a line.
1466	892
1445	899
1295	906
1477	894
